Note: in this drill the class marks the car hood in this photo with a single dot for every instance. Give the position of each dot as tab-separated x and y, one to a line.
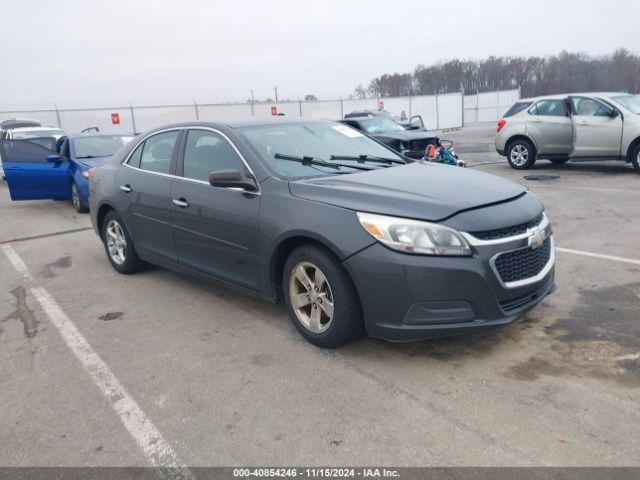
425	191
406	135
92	162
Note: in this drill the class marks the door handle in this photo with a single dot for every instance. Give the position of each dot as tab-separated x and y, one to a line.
583	123
125	188
536	120
180	202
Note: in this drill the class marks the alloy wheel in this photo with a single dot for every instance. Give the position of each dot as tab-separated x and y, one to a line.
116	242
311	297
519	155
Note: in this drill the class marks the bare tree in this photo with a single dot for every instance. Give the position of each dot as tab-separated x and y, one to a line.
565	72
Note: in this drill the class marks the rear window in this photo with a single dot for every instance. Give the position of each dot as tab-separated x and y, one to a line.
516	108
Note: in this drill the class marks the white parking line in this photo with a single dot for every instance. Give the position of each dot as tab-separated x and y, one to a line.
18	265
155	448
631	261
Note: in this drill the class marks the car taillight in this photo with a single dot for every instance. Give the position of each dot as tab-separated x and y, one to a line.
90	172
501	124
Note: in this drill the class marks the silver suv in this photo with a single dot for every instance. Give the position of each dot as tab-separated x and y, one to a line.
581	126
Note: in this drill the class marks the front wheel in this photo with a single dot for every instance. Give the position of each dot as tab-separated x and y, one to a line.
635	158
321	298
77	200
521	155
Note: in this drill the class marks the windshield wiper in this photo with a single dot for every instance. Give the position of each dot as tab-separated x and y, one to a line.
308	161
87	156
367	158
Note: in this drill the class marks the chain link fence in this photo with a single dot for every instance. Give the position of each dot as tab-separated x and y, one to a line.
438	112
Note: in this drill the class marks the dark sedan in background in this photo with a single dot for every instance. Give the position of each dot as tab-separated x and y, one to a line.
345	231
410	143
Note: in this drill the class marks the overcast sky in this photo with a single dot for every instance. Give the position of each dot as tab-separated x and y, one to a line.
84	52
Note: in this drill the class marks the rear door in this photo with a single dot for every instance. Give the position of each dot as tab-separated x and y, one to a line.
144	185
598	128
549	124
34	172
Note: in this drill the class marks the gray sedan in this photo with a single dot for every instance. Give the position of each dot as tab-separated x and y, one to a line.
350	235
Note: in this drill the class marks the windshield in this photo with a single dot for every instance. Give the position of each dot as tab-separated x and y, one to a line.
102	146
630	102
37	134
380	125
391	116
318	140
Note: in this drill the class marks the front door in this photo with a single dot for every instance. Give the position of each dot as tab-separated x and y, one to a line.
549	124
145	195
216	229
34	172
598	128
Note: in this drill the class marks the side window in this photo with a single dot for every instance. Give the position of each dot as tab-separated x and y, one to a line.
134	159
207	152
550	108
157	152
590	108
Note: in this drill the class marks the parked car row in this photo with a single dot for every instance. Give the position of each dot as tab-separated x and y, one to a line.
576	127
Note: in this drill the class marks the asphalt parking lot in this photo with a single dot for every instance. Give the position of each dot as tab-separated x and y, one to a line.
171	369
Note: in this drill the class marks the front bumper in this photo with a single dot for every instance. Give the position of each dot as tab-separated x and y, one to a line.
413	297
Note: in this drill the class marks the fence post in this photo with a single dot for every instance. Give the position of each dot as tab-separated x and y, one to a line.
341	109
437	114
133	117
57	115
410	107
462	104
477	107
498	104
195	106
300	106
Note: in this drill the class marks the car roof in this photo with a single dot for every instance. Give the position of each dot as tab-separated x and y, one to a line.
73	136
576	94
33	129
245	122
363	117
14	123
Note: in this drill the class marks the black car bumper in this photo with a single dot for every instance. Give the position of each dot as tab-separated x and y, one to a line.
411	297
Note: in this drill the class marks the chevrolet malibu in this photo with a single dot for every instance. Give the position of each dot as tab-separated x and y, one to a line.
351	236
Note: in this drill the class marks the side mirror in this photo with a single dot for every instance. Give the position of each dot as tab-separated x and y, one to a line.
54	158
614	113
233	179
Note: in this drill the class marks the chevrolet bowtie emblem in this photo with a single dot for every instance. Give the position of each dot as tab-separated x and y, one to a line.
537	238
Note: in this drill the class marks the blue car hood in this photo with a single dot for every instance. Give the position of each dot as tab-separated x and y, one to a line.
91	162
427	191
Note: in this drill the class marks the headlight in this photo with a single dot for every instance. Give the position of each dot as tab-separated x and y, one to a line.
414	236
85	174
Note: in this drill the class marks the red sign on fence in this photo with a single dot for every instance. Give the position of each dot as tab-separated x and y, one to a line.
274	110
115	119
380	105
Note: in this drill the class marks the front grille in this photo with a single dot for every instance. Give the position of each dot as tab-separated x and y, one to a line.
524	263
509	231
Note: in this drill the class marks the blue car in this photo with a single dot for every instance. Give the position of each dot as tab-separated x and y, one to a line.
56	170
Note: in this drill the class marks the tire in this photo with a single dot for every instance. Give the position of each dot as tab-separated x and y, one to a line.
521	154
635	158
559	161
124	260
76	200
338	290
